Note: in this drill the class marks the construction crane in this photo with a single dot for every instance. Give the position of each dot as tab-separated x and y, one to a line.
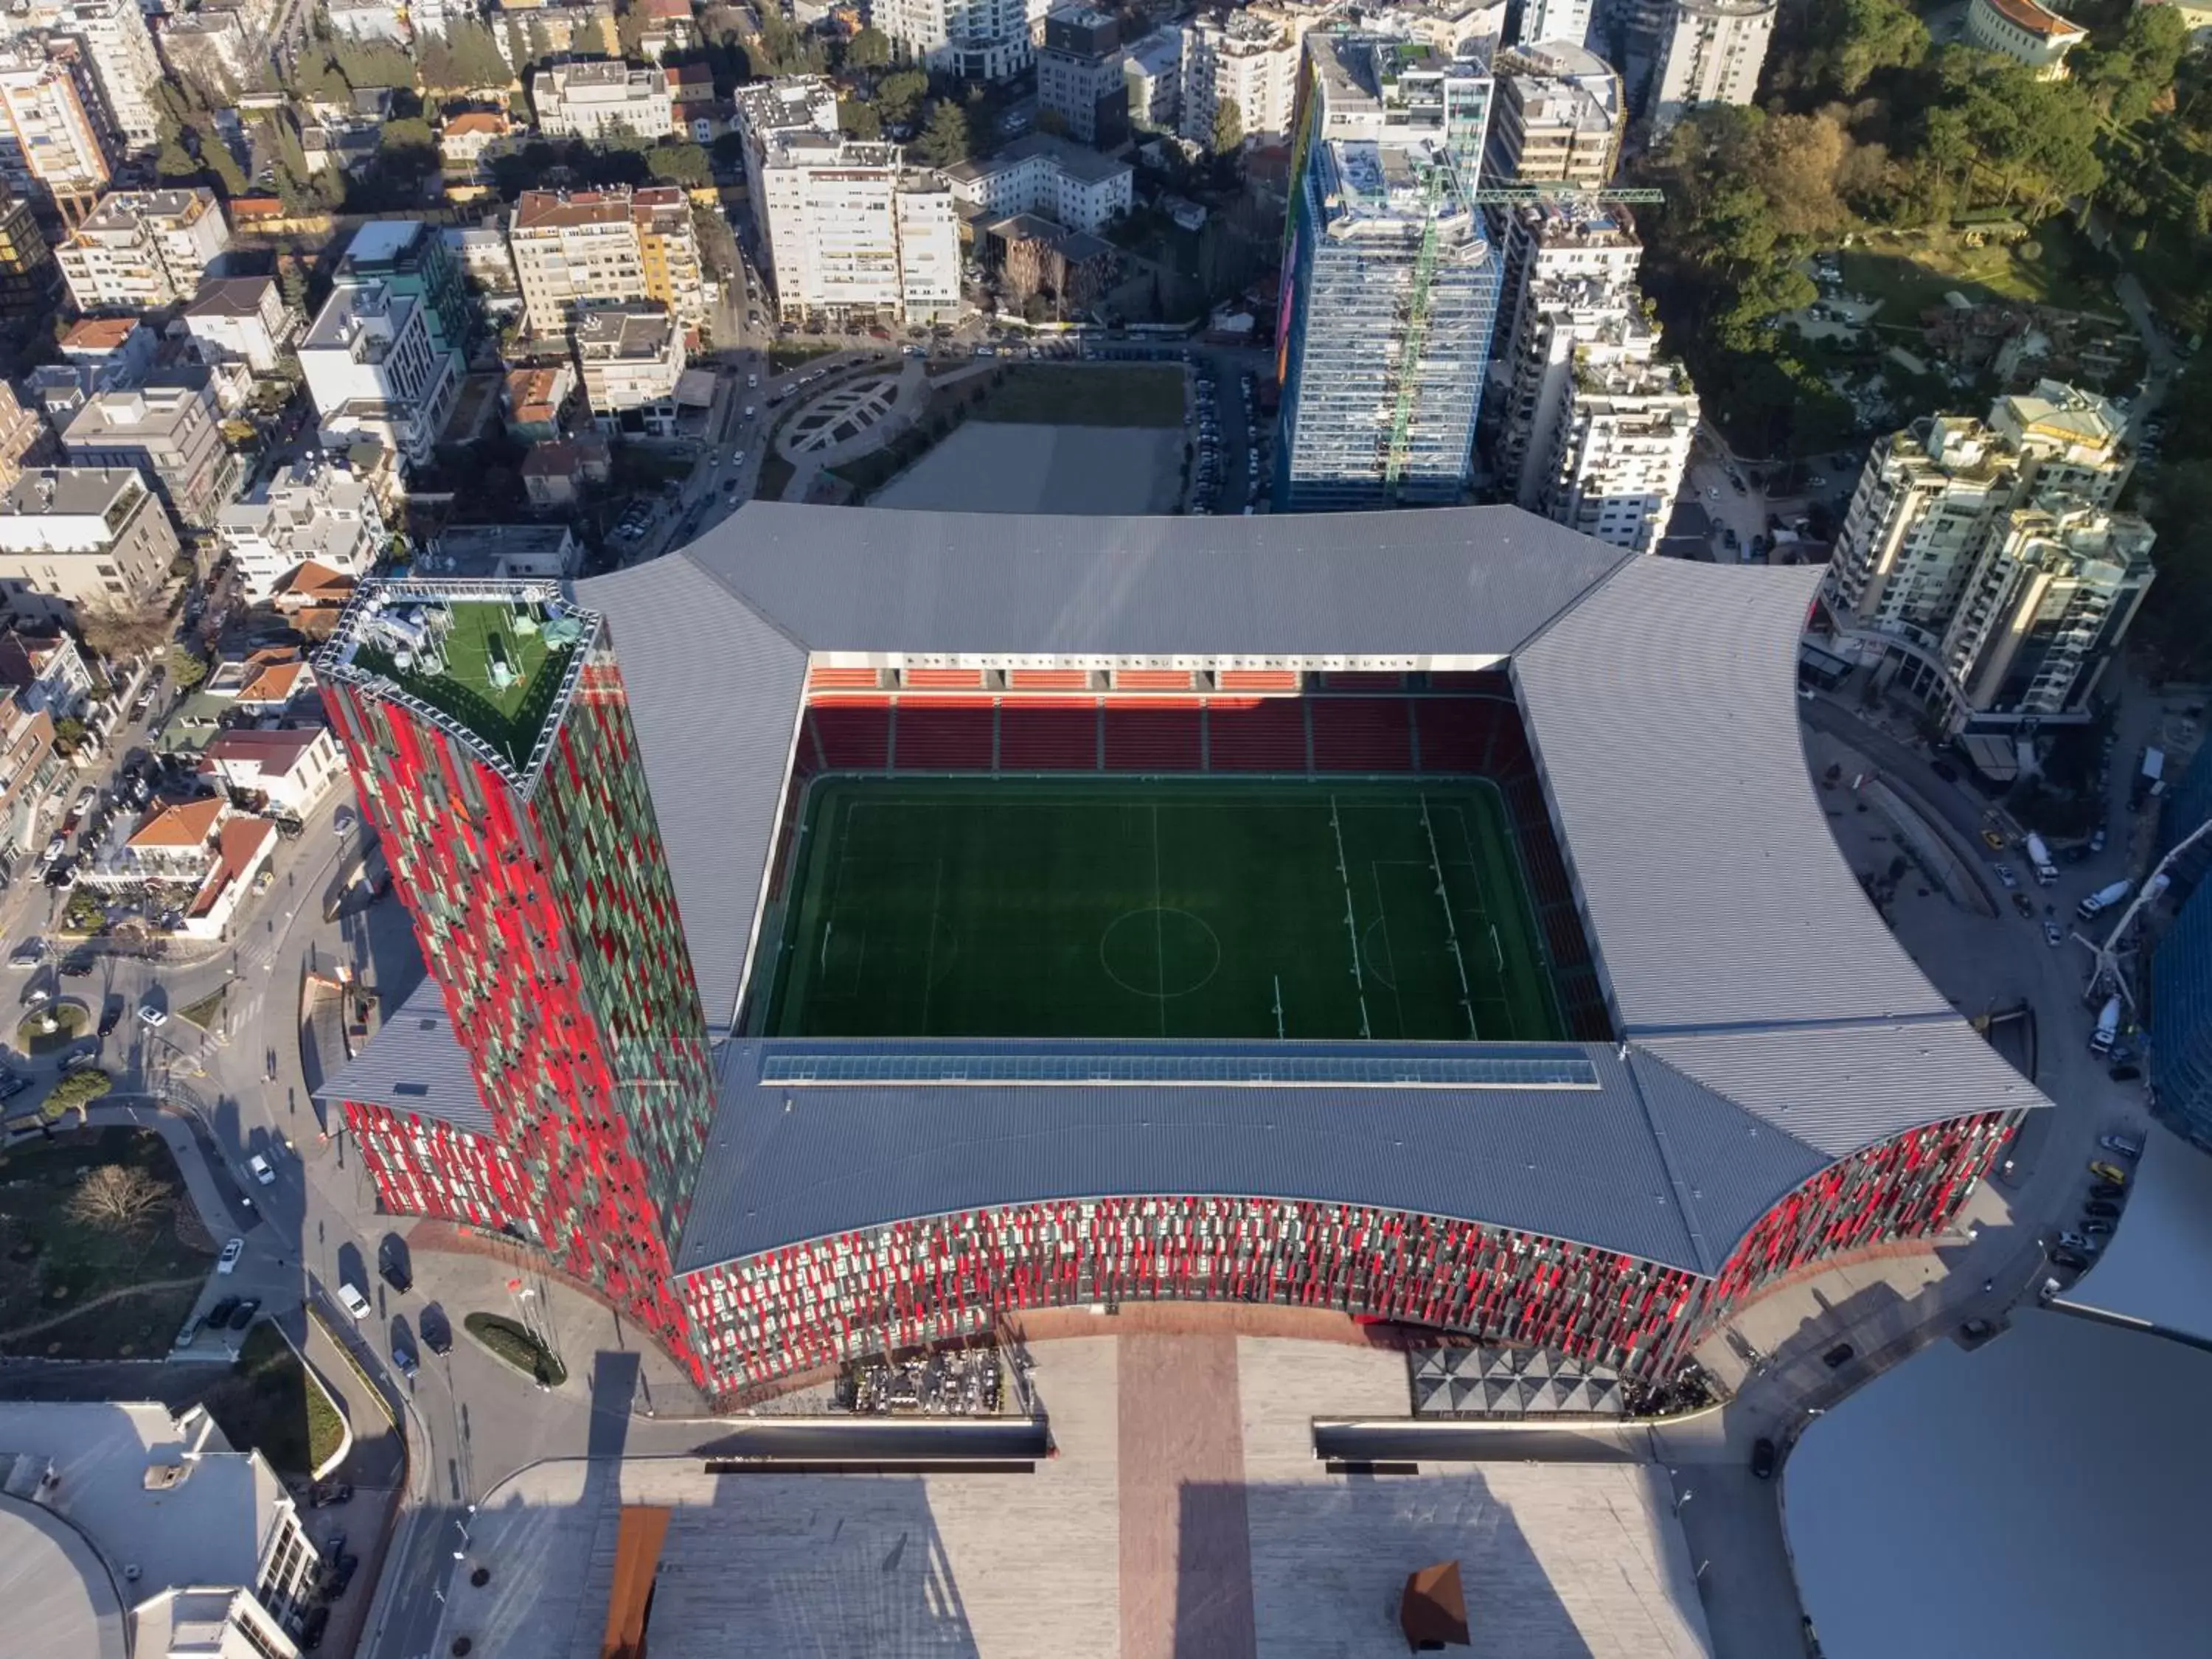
1417	328
1562	190
2107	975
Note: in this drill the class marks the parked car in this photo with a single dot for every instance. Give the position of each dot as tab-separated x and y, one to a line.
261	1171
2068	1260
395	1273
219	1315
2097	839
227	1261
324	1493
2022	903
242	1315
1762	1459
111	1016
11	1086
2120	1144
351	1299
2074	1240
311	1628
149	1015
1994	841
2005	876
2108	1172
2097	1206
1944	770
437	1333
2053	935
29	954
342	1572
2098	1226
2124	1073
188	1335
404	1358
1840	1355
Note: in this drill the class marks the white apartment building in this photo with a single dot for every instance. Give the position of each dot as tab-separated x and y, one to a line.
1570	277
370	20
373	373
1566	21
1076	188
119	49
2026	33
140	250
311	511
576	252
1079	75
1624	438
1560	117
593	99
632	357
2069	443
1152	71
170	429
763	111
1711	54
81	538
975	40
1250	56
854	233
242	319
54	144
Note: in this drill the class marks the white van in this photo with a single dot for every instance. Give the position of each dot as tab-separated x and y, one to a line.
351	1299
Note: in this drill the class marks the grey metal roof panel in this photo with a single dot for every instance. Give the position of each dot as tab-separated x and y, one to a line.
788	1164
1454	583
715	695
1839	1088
415	1064
1662	710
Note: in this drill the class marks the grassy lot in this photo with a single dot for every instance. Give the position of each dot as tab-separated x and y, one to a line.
1912	274
205	1012
33	1039
507	1341
50	1263
1069	394
273	1403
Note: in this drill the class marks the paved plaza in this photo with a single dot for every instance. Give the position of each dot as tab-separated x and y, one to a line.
1182	1515
993	467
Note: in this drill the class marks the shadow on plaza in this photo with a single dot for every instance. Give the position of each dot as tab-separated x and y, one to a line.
1329	1560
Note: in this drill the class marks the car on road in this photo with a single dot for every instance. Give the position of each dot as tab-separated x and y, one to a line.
2122	1145
437	1332
2074	1240
751	380
404	1358
149	1015
1994	841
111	1016
2052	936
77	1059
227	1261
2022	903
29	954
219	1315
324	1493
2070	1260
11	1086
2005	876
2097	839
342	1572
312	1627
188	1335
242	1315
2098	1226
2109	1173
351	1299
1762	1459
78	964
262	1172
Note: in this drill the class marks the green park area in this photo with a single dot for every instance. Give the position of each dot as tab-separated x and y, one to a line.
269	1400
1912	272
101	1254
1071	394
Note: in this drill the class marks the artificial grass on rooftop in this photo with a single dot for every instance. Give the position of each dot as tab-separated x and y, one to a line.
507	718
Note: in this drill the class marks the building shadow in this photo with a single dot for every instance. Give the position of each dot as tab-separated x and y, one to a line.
1320	1566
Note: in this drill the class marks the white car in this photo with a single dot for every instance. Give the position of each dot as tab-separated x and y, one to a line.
351	1299
751	380
227	1261
262	1172
149	1015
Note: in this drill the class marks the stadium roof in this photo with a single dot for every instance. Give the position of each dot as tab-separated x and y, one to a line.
1771	1024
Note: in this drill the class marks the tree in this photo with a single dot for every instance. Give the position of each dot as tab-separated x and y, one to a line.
476	55
684	163
858	120
2126	79
118	1196
118	631
946	138
185	668
1228	126
899	95
869	49
1851	40
68	732
629	30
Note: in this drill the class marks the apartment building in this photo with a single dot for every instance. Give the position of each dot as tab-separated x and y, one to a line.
1570	274
311	511
2026	33
974	39
1560	117
140	250
54	138
1623	437
1560	22
1151	80
1076	188
632	356
119	50
47	672
594	99
75	540
31	773
576	252
384	21
26	440
2050	596
764	112
172	433
30	281
854	234
1080	77
1393	281
374	371
1247	58
1711	54
242	319
412	260
1965	558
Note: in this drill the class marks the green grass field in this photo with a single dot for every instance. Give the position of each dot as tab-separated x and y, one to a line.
1210	908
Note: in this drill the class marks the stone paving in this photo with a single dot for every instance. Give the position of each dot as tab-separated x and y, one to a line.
1182	1514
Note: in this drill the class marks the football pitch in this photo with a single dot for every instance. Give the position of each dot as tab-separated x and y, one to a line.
952	906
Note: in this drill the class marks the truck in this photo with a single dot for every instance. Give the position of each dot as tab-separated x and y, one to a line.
2040	856
2108	1027
2103	899
2149	782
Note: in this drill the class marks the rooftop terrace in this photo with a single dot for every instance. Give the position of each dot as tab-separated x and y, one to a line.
492	660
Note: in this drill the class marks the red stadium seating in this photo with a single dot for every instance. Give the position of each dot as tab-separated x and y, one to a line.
1362	734
942	679
1047	737
943	734
1258	680
851	736
1263	734
1049	679
1151	679
1458	734
1148	736
825	678
1361	680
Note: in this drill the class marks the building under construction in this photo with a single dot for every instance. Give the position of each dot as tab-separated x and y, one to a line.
1392	281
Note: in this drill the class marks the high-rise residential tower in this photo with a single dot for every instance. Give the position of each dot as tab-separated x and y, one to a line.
1391	288
488	730
1711	54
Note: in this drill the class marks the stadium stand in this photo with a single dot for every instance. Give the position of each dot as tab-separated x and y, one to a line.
1048	737
1258	734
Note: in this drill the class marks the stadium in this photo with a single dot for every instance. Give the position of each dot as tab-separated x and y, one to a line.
860	926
